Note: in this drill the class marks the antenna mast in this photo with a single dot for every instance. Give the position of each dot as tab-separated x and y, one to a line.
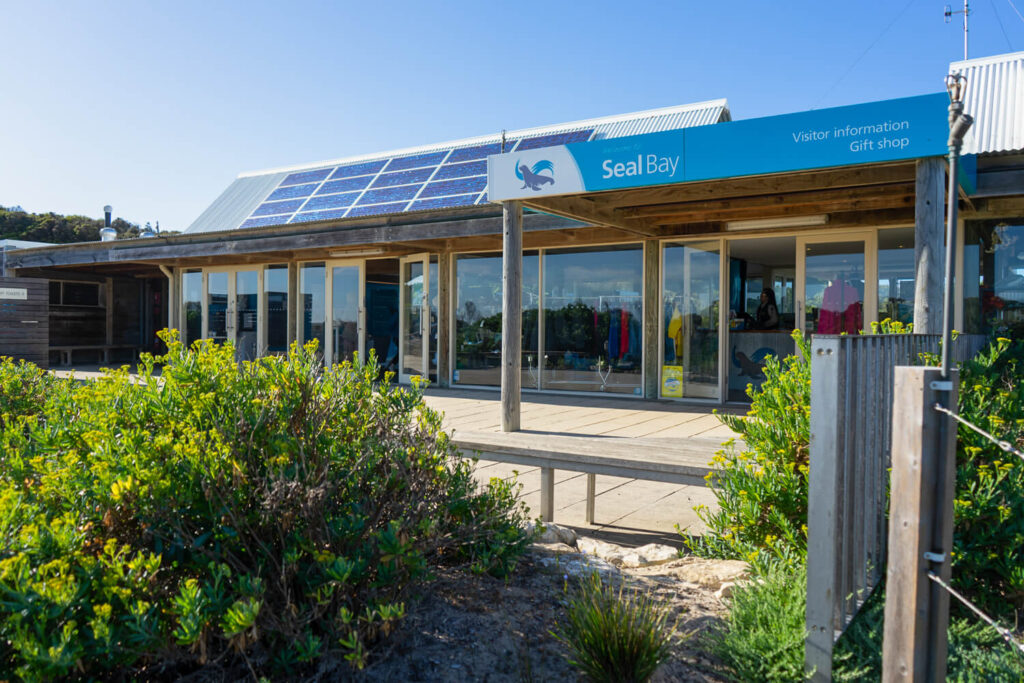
948	14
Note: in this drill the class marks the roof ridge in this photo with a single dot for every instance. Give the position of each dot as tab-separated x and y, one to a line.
494	137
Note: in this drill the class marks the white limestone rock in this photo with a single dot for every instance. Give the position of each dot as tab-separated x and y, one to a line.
553	533
708	574
644	556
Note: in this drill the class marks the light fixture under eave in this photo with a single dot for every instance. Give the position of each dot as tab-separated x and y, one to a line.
786	222
358	252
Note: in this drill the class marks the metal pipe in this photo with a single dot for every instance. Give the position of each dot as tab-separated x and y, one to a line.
959	124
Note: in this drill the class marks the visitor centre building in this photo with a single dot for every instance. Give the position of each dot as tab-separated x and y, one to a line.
663	254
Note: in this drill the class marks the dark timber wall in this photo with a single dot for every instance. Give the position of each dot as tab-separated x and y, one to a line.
25	319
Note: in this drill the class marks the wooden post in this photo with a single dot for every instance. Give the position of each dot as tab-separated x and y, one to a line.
591	486
828	424
444	318
511	317
652	305
293	302
928	245
109	304
920	521
547	494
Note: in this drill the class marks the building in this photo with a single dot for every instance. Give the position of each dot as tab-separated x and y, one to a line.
645	279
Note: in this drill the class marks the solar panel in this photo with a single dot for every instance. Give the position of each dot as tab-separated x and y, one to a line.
431	180
376	209
461	186
306	177
260	222
402	177
331	201
292	192
271	208
416	161
389	194
366	168
332	186
443	202
555	139
479	151
318	216
461	170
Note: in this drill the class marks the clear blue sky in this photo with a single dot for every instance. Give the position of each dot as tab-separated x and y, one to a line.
155	107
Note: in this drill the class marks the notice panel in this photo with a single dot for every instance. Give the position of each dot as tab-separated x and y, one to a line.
892	130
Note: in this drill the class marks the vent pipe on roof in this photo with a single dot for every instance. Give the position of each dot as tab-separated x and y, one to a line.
107	233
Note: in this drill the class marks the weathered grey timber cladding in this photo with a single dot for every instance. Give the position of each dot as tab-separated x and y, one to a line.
25	319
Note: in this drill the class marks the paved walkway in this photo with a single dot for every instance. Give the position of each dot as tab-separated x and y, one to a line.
627	511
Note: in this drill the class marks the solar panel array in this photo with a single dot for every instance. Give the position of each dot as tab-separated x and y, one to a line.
433	180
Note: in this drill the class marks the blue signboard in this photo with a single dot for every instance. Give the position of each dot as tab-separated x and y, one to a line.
892	130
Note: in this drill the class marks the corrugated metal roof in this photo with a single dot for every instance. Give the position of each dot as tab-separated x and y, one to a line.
235	204
250	189
22	244
995	98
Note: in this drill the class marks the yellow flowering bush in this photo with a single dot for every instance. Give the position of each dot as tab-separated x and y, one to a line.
988	532
762	488
264	515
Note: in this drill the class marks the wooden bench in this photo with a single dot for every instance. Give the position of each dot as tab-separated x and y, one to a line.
683	461
104	349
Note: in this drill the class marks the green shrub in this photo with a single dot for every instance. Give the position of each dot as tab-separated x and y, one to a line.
269	510
761	490
614	635
762	638
23	389
977	653
988	536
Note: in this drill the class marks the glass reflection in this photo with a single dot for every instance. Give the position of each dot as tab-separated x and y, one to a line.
593	332
762	308
275	297
994	278
412	312
691	308
312	293
192	300
834	288
217	306
246	314
477	316
896	274
345	313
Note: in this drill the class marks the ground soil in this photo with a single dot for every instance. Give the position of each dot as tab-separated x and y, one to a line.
478	628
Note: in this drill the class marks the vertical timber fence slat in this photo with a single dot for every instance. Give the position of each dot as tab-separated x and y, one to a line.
851	443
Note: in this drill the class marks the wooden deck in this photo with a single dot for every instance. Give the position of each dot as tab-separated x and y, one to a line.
629	511
479	410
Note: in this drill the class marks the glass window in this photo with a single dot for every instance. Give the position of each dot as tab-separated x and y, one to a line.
345	314
690	298
246	317
834	287
312	293
477	316
192	305
275	297
896	274
81	294
593	329
762	308
217	306
994	277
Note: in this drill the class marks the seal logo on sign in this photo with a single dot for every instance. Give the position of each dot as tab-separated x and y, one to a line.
534	178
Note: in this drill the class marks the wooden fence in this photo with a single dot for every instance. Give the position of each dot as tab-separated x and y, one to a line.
851	438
